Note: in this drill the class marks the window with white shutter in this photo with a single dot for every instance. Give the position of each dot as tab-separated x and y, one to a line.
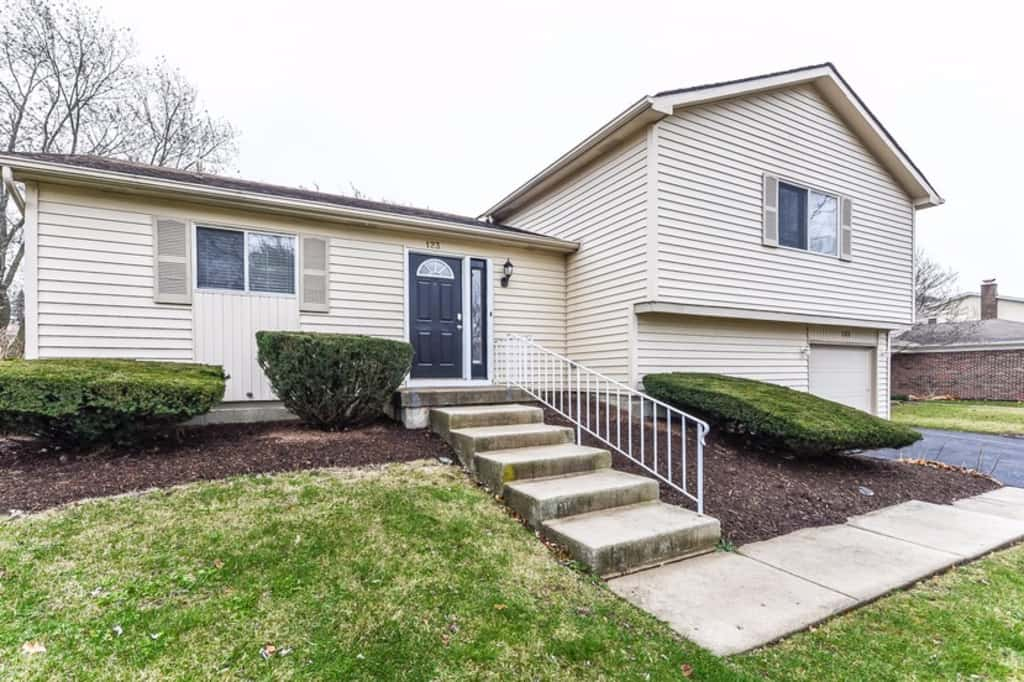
803	218
314	291
171	262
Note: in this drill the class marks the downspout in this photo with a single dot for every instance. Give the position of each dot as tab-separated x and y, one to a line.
19	198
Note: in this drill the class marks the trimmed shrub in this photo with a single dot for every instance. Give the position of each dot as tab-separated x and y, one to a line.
332	381
89	401
775	417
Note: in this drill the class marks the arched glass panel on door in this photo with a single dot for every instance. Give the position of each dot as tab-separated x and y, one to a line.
435	267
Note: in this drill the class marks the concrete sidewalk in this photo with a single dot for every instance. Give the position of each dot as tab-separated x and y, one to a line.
730	602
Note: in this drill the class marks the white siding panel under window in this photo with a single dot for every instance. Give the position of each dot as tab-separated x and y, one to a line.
96	284
711	159
225	335
603	208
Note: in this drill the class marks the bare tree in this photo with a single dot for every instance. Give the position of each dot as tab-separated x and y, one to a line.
935	285
70	83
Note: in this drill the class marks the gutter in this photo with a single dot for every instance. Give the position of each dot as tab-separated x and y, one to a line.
12	189
66	174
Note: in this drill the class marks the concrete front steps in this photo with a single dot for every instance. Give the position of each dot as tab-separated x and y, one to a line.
611	521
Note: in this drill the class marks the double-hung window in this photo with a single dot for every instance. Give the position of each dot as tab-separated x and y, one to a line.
239	260
808	219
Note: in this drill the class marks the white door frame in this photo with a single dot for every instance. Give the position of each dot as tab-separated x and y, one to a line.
467	366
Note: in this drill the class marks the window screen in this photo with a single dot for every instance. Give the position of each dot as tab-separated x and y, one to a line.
220	259
271	263
792	216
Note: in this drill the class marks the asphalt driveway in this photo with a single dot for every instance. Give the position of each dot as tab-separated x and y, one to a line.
998	456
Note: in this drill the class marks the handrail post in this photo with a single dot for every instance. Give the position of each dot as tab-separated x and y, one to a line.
579	408
700	469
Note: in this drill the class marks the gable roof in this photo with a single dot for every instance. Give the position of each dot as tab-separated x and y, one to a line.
825	77
139	177
993	334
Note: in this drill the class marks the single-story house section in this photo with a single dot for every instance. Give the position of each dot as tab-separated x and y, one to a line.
971	360
762	228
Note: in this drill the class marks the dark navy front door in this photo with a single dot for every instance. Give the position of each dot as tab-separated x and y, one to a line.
435	316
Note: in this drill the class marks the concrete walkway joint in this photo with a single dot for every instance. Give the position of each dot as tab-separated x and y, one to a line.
733	602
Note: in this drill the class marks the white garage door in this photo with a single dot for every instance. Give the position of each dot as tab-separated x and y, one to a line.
844	375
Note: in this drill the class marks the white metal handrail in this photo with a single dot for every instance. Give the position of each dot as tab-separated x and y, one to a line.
629	421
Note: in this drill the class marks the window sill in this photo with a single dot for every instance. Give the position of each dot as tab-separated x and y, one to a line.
819	254
236	292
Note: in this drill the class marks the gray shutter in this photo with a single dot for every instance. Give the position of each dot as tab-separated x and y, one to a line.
314	279
172	274
846	229
770	222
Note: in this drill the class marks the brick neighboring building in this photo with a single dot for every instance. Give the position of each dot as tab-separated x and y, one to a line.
973	360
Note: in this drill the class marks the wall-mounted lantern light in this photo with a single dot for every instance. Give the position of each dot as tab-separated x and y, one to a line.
508	269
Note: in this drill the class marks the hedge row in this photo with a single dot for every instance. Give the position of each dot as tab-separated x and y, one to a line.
86	401
775	417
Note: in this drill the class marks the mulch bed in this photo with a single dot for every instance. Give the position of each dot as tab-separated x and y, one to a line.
755	495
34	476
758	495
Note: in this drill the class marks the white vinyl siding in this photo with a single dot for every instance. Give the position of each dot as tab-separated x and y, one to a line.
711	162
95	283
603	208
96	278
776	352
764	351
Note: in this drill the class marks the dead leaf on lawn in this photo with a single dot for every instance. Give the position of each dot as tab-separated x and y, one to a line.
33	647
218	564
686	669
500	607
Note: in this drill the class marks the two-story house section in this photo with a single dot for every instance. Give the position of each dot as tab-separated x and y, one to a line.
761	228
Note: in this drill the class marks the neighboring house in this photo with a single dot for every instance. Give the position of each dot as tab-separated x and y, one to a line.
761	228
971	360
985	305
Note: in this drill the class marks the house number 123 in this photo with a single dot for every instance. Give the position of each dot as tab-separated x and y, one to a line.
433	245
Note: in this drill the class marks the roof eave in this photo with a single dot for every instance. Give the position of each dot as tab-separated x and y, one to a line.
47	171
825	78
643	112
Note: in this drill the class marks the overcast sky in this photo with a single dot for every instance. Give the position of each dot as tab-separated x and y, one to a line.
450	105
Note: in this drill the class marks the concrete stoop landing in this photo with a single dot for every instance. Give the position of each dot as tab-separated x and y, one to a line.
612	522
730	602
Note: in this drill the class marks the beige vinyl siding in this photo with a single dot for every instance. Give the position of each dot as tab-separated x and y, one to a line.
603	208
96	277
710	164
95	283
765	351
776	352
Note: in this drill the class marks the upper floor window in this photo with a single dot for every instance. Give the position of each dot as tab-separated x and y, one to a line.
808	219
245	261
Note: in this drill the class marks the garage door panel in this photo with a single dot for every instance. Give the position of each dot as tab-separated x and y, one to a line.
844	375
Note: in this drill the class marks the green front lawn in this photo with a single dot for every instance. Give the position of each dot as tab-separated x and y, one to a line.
408	573
962	415
411	573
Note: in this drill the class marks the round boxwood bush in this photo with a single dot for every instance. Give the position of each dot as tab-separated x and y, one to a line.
93	401
333	381
775	417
